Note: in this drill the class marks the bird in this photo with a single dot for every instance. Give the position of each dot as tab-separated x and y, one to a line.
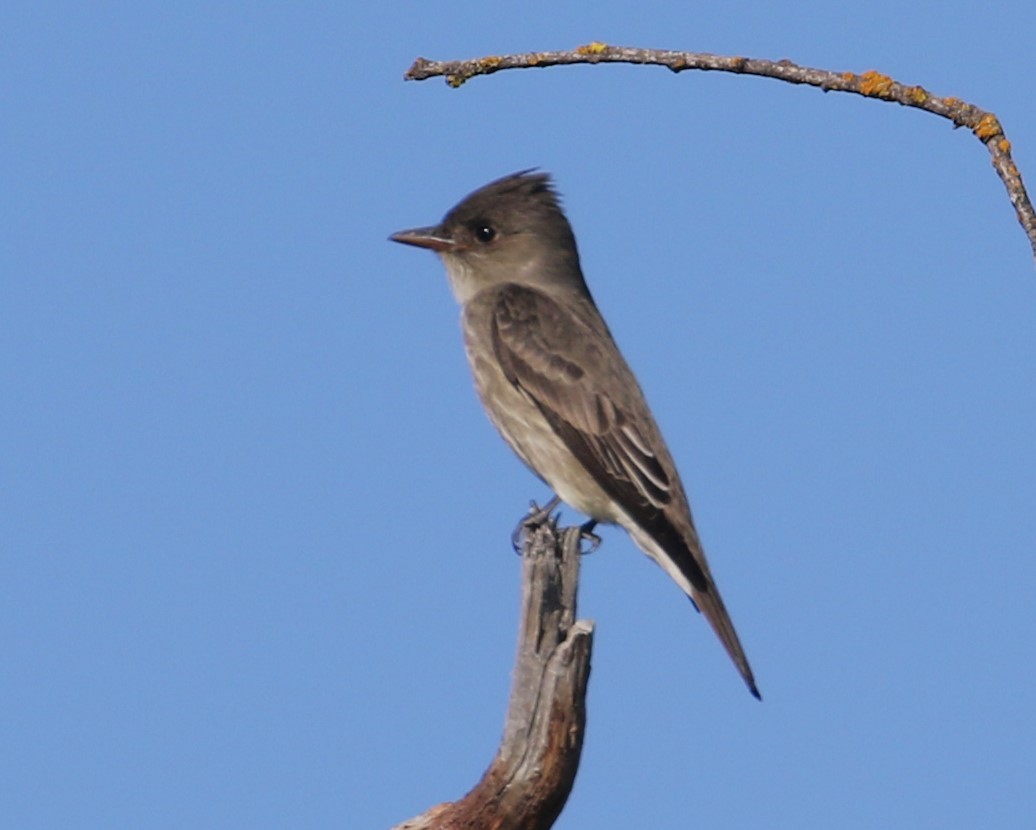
555	385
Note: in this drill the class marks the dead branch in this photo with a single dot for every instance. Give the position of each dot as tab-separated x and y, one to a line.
528	782
985	126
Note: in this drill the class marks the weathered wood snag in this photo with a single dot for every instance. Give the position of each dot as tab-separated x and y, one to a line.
529	780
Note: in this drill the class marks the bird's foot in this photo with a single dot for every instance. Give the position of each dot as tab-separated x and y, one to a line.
534	518
586	534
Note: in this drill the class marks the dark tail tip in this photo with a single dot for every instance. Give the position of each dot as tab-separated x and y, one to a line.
755	692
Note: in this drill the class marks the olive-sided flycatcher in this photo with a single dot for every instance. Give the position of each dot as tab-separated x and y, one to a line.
555	384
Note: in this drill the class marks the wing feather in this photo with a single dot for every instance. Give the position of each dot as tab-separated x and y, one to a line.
547	353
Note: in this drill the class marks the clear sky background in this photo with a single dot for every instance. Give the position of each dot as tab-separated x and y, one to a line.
254	558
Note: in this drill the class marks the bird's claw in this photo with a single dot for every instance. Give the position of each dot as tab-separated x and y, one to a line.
534	518
586	534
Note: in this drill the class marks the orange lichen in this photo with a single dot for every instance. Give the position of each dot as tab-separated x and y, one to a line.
875	84
1004	145
848	77
593	48
987	127
917	94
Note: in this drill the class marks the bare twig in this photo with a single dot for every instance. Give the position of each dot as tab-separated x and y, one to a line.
870	84
529	780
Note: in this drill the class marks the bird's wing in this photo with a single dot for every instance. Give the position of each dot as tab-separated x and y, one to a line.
578	379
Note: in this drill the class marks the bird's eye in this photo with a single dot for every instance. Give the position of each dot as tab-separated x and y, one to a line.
485	233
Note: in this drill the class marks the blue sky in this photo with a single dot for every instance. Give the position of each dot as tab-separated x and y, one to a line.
254	526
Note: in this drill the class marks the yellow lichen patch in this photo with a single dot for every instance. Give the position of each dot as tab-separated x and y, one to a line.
875	84
951	102
918	94
593	48
1004	145
492	62
456	80
988	126
848	77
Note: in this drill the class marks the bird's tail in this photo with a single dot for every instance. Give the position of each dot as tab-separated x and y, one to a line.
683	559
710	603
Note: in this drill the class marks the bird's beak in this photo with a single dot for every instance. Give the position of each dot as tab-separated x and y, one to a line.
432	238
